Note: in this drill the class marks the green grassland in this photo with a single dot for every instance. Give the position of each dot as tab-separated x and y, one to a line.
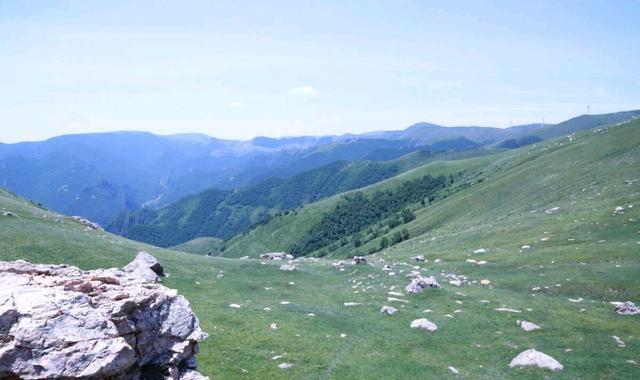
582	251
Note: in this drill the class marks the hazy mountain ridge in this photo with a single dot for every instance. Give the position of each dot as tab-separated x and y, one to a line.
101	174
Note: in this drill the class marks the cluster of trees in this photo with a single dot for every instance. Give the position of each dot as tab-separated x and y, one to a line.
356	212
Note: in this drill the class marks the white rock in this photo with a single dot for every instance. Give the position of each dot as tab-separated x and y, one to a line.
424	324
532	357
235	306
287	268
528	326
454	370
359	260
506	309
285	365
619	341
480	250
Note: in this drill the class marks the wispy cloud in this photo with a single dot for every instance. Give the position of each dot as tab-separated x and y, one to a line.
304	90
237	104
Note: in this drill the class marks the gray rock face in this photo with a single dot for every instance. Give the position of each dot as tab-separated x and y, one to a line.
59	322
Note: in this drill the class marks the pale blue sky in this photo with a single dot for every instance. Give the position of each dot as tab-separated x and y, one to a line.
235	69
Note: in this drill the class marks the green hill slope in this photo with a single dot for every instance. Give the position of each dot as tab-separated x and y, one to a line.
517	172
223	214
581	257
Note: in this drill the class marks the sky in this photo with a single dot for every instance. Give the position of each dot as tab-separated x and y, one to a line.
236	69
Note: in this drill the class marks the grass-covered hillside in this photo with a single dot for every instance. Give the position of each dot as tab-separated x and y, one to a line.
225	213
557	197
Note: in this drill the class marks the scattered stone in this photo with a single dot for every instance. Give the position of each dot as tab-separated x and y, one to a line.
419	283
418	258
532	357
552	210
485	282
424	324
285	365
8	213
576	300
627	308
287	268
618	210
456	282
528	326
338	264
506	309
454	370
619	341
480	250
86	222
388	310
63	322
525	247
352	304
235	306
276	256
359	260
273	326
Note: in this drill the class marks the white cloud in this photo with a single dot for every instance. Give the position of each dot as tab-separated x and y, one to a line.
304	90
237	104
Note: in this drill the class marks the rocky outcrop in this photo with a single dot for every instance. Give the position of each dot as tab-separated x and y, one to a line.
60	322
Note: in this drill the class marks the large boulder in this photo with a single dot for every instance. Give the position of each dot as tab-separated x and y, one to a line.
60	322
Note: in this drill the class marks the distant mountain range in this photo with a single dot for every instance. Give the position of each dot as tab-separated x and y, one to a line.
101	175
